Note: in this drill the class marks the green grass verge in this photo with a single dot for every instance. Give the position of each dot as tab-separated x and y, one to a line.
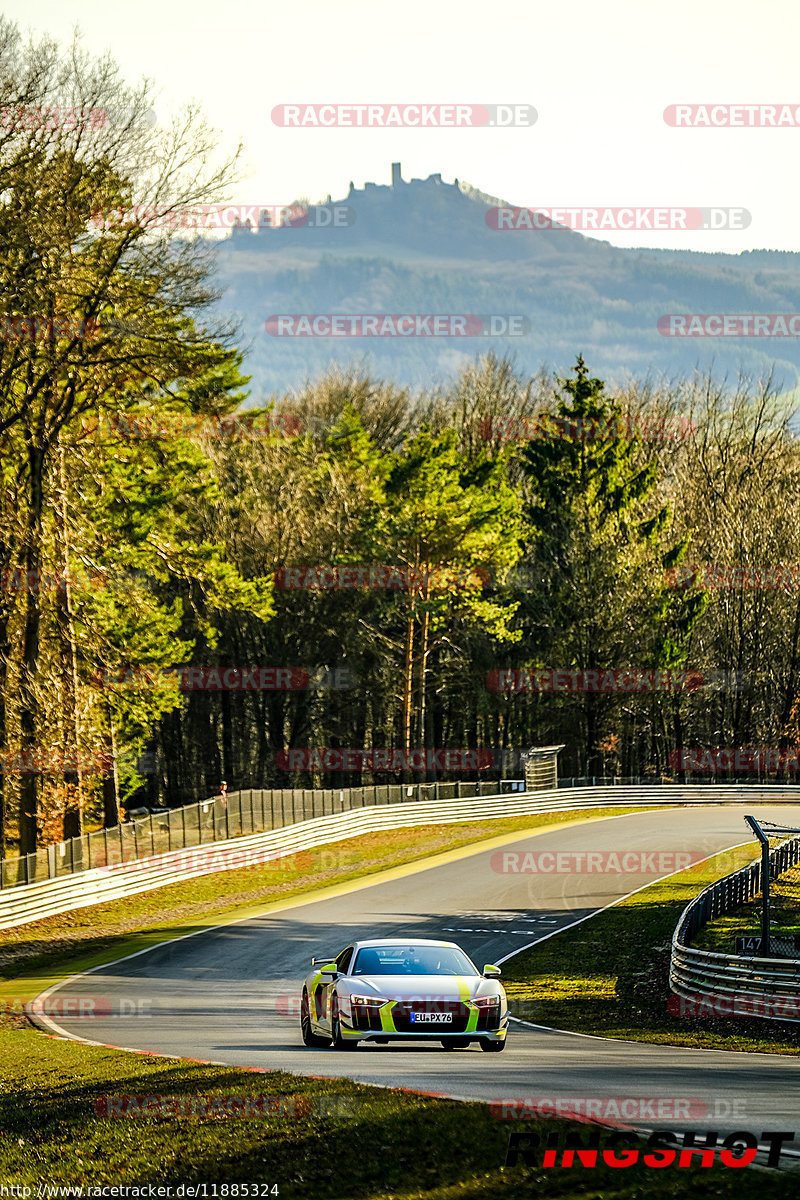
575	981
90	936
721	933
376	1144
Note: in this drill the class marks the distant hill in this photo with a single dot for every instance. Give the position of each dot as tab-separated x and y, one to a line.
424	246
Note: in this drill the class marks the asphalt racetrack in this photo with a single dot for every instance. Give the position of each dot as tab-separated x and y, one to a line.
230	995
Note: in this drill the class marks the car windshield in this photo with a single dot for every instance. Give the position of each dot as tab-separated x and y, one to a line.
413	960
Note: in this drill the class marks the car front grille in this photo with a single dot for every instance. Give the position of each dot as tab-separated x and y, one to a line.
401	1015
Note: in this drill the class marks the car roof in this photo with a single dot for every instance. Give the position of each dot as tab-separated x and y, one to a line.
404	942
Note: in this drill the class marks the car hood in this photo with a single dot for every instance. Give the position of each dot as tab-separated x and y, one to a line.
422	987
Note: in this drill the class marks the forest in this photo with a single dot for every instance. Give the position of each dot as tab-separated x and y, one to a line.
351	582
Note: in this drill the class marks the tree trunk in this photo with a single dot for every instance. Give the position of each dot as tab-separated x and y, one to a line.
227	738
4	649
408	686
423	677
29	792
73	783
111	815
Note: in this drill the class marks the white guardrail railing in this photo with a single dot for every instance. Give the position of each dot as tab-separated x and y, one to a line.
711	983
21	905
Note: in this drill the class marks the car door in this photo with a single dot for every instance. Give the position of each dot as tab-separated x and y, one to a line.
326	986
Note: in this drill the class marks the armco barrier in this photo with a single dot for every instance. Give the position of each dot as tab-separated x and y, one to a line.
21	905
730	984
252	810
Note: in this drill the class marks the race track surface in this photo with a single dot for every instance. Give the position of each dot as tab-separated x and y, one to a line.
230	995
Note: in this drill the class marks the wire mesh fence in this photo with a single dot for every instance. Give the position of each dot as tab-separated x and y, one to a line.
741	894
253	810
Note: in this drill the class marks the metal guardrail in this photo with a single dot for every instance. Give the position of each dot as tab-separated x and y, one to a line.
732	984
697	780
19	906
252	810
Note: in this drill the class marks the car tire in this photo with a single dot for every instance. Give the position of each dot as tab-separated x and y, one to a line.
455	1044
309	1037
493	1047
339	1043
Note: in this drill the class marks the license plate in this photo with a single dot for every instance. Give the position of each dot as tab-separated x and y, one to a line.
439	1018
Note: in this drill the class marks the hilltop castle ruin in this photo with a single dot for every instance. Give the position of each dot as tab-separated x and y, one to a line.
399	188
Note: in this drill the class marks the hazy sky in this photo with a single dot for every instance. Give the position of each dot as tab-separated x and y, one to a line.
599	73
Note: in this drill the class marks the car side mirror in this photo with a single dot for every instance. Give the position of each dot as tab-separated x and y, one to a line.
490	971
330	969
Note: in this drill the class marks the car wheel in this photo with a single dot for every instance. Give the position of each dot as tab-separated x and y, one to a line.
339	1042
455	1043
309	1037
493	1047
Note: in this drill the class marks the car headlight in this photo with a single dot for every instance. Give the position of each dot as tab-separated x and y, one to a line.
368	1001
487	1002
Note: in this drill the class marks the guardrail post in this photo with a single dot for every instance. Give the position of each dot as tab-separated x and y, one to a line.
764	840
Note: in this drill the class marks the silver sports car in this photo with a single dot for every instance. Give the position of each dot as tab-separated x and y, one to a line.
383	991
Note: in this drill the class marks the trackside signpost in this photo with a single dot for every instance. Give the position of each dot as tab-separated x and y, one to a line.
764	840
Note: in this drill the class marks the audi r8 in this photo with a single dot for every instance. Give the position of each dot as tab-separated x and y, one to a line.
399	989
